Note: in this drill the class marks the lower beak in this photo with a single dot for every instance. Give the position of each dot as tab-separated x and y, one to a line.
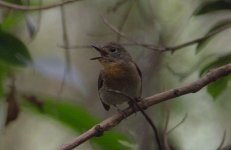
95	58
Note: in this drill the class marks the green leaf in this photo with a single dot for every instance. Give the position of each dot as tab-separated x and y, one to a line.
224	24
11	19
80	120
208	7
216	88
221	26
217	63
13	51
3	74
14	1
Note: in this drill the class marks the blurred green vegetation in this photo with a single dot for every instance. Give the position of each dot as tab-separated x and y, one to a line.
77	118
15	54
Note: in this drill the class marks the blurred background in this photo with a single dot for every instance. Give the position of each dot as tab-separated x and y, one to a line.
48	85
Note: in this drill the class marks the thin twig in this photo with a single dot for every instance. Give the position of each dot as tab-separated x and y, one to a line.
147	102
199	39
74	46
152	46
165	134
178	124
154	128
164	49
222	141
66	44
114	29
124	19
8	5
116	6
89	46
33	32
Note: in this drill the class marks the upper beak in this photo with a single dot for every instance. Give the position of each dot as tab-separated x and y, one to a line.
102	52
97	48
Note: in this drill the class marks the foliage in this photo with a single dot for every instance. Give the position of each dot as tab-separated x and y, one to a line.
80	120
218	87
209	7
13	51
216	27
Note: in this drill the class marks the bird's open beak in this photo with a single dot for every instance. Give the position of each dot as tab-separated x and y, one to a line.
102	52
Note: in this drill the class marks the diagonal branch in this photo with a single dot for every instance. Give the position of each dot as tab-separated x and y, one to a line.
8	5
148	119
164	49
147	102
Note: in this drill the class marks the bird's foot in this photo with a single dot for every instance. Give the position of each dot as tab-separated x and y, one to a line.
133	103
99	131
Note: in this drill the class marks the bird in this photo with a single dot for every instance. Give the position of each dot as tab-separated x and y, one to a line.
120	73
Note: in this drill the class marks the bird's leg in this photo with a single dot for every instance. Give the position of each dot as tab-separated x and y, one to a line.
132	104
121	111
138	99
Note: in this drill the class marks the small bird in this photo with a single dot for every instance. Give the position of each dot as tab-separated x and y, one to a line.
119	73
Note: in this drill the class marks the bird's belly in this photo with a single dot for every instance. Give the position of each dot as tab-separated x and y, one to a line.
111	98
128	85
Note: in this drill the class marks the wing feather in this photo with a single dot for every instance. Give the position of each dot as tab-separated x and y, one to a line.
100	84
140	74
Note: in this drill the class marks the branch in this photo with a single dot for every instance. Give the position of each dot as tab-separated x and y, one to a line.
148	119
178	124
147	102
199	39
222	141
152	46
116	6
33	8
164	49
67	54
124	19
165	134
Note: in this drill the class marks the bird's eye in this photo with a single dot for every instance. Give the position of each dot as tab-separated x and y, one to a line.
112	49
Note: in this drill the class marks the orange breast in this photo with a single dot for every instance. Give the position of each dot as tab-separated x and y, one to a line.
122	77
115	70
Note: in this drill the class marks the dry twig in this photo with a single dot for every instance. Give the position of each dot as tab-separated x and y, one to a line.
124	19
222	141
149	120
67	68
8	5
177	125
165	134
164	49
147	102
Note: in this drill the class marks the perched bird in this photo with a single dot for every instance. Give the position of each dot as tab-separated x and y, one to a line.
119	73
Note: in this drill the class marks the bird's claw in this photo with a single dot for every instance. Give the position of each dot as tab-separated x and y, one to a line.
99	131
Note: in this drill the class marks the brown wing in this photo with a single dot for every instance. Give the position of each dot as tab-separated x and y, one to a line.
140	74
100	84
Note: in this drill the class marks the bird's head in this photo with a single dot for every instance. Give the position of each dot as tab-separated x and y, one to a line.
112	53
